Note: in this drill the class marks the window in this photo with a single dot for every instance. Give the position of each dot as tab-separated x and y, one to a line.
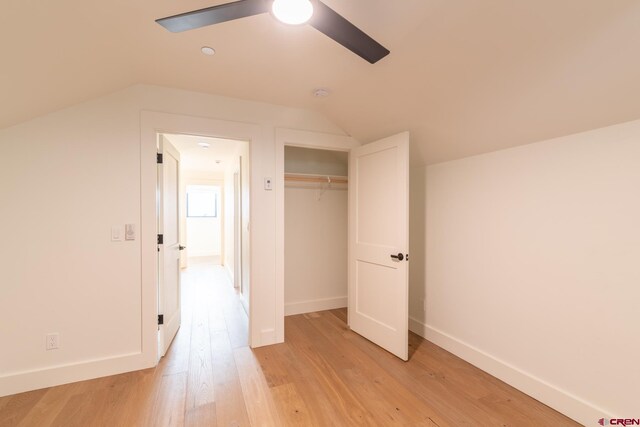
202	201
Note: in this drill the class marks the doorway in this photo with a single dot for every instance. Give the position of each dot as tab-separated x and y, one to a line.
378	234
211	238
316	216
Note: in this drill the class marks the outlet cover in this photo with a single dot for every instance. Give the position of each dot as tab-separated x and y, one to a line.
53	341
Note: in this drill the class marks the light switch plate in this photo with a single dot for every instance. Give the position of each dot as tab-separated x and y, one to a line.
130	232
268	184
117	232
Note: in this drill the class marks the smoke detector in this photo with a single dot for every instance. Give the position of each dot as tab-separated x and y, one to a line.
321	92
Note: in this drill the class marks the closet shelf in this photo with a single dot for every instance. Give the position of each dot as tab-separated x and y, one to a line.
320	179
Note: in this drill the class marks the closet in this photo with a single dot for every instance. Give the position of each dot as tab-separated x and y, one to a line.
315	229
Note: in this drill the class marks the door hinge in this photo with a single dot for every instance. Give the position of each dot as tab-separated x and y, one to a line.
160	239
159	158
160	319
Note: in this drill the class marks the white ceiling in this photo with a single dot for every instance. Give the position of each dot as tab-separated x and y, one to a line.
196	159
464	76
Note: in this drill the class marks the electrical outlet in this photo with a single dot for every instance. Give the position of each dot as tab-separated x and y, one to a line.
53	341
268	184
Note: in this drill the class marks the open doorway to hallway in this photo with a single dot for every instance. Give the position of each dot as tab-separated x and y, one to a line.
208	205
203	222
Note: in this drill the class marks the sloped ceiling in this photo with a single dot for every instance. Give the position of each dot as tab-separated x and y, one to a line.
464	76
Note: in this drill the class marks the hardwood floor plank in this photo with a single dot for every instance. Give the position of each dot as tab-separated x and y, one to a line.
281	365
262	410
18	406
292	409
202	416
231	409
169	407
379	391
344	401
200	388
143	392
178	354
50	405
237	324
278	368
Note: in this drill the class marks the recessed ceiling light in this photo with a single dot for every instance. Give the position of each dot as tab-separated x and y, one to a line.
204	144
292	12
207	50
321	92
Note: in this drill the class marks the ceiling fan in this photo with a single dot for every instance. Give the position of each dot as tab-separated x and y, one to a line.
295	12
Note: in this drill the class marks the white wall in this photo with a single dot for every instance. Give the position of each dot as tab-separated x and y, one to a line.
313	161
532	267
204	234
67	178
315	249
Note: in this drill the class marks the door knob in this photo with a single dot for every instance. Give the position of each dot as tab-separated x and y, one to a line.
399	257
182	248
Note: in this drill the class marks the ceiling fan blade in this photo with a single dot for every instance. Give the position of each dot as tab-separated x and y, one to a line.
332	24
213	15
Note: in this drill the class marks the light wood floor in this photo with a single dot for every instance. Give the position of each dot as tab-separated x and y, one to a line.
324	375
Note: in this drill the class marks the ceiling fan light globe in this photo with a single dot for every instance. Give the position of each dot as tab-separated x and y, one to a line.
292	12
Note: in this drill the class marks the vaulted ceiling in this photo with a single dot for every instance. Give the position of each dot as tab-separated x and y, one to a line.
464	76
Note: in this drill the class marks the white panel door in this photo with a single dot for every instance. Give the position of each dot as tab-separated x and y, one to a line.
169	250
379	242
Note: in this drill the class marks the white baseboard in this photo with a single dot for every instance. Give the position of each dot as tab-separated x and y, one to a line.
267	337
302	307
34	380
558	399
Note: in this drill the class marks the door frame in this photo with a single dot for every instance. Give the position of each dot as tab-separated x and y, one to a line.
305	139
152	124
237	228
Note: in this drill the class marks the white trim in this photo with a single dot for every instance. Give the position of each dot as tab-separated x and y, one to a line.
151	124
229	274
301	307
572	406
296	138
268	335
41	378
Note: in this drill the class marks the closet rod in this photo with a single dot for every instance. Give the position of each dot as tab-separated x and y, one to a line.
323	179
